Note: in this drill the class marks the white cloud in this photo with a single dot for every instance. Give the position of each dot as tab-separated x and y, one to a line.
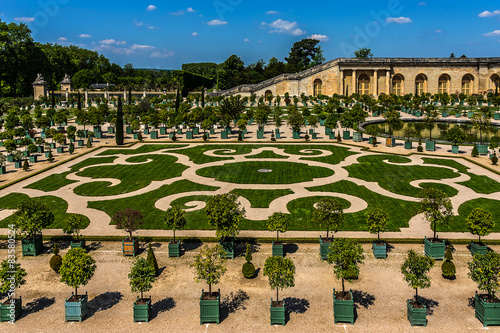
113	42
492	34
422	3
217	22
152	27
194	34
487	13
139	24
272	12
141	47
162	54
62	39
247	40
182	12
85	36
438	31
24	19
286	27
398	20
190	10
322	38
151	7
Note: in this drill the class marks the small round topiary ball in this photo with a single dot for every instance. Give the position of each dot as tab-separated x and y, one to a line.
494	159
448	269
248	270
55	263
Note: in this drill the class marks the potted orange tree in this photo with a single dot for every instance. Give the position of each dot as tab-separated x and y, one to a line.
328	213
11	278
129	220
142	275
376	219
480	222
415	270
72	226
174	219
281	274
278	222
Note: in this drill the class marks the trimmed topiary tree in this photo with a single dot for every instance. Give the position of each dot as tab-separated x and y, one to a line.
448	267
484	269
77	268
475	152
174	218
119	123
329	213
141	276
415	269
480	222
11	277
278	222
436	206
248	268
280	273
345	255
210	265
376	220
56	260
151	259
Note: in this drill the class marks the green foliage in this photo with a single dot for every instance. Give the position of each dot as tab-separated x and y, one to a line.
345	255
448	269
494	159
225	214
174	218
248	255
484	269
278	222
480	222
281	273
304	54
11	276
448	255
128	219
436	206
71	148
142	275
55	250
475	152
26	165
119	123
248	270
376	220
363	53
152	260
456	135
210	265
415	269
89	143
329	213
77	268
55	262
32	216
73	224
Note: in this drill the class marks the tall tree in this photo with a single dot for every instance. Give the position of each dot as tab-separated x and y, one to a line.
363	53
119	123
304	54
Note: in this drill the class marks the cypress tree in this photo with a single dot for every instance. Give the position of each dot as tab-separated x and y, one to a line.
203	97
177	101
130	96
151	259
79	103
119	123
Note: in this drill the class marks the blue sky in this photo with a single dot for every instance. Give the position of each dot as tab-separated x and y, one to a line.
166	34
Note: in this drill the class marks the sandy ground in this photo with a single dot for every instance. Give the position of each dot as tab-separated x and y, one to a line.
380	295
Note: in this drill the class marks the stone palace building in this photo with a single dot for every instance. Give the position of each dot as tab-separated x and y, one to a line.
376	76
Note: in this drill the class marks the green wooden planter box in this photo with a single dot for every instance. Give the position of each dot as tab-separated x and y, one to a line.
212	131
171	135
228	247
487	313
332	136
408	145
343	310
278	314
128	130
130	248
357	137
346	135
430	145
223	134
41	150
296	135
470	114
210	309
32	246
154	134
26	153
163	130
179	131
111	130
33	159
76	310
278	135
483	149
454	149
60	150
379	250
142	312
196	131
434	249
311	131
136	136
3	170
146	131
11	312
496	116
328	130
278	250
322	122
47	153
80	143
315	136
260	134
444	114
478	248
189	135
10	158
78	243
390	142
18	165
457	115
98	135
324	245
174	249
97	129
416	316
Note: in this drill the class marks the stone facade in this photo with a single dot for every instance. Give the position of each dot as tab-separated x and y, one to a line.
376	76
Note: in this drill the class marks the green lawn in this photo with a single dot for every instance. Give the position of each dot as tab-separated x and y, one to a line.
395	178
261	198
132	177
247	172
458	222
58	206
267	154
52	182
140	150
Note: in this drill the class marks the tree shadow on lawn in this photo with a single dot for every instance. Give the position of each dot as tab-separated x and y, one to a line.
104	302
363	299
164	305
38	304
295	305
232	303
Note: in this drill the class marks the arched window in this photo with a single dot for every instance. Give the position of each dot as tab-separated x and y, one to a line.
397	85
268	93
495	83
420	84
467	84
318	86
364	85
444	84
